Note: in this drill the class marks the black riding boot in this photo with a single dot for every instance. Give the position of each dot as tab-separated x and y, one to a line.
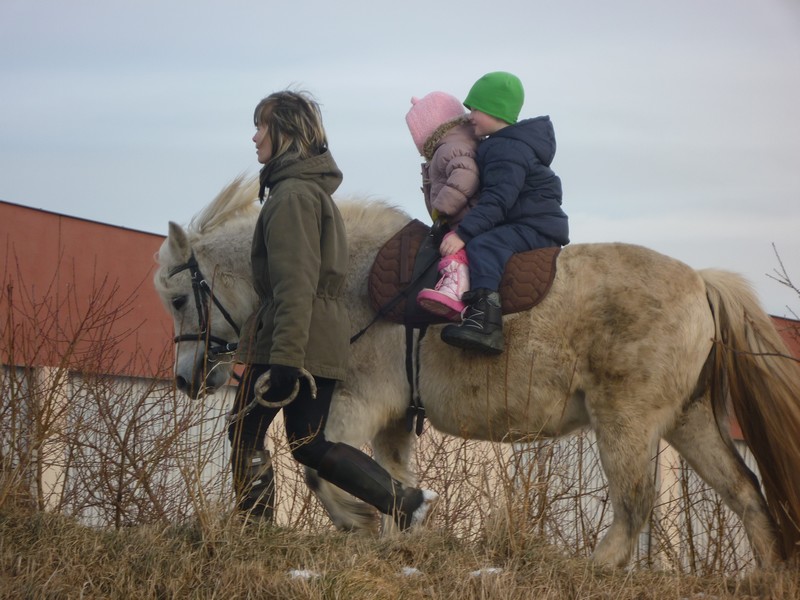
254	483
359	475
482	327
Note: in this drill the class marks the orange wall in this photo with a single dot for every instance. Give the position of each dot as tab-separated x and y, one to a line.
56	270
790	332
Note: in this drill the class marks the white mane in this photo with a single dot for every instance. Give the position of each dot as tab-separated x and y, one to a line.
236	202
237	199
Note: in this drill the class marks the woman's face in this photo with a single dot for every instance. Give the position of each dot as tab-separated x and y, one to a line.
263	144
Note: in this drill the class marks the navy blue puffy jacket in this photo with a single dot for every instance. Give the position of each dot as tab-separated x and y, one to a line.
517	183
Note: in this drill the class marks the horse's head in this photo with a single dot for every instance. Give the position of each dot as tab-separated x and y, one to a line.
207	304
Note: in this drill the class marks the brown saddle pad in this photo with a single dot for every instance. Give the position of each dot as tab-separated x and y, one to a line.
526	280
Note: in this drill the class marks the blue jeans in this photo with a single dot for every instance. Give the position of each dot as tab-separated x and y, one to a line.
489	252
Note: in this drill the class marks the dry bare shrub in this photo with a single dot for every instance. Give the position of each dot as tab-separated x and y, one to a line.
510	497
553	491
114	450
781	275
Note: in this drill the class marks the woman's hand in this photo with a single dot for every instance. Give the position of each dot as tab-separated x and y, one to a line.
282	380
451	244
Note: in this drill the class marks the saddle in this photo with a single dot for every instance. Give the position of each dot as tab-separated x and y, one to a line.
408	262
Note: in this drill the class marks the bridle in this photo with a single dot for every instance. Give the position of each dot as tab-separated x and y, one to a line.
203	293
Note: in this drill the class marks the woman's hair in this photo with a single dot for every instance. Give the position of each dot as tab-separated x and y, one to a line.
294	124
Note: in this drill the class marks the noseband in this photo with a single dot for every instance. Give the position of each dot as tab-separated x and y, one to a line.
215	346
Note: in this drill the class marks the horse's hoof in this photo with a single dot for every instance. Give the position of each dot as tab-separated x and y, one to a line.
424	511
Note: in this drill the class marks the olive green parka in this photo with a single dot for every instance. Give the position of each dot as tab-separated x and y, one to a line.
299	261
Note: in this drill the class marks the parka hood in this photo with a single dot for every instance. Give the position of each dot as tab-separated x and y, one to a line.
321	168
538	133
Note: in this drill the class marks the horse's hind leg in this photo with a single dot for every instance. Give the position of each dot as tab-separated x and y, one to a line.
626	452
698	439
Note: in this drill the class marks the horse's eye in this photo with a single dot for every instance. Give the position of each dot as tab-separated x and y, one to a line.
178	302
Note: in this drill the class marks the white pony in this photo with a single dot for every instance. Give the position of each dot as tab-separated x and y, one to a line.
635	345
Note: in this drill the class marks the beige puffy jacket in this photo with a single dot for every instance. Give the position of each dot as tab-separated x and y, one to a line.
450	180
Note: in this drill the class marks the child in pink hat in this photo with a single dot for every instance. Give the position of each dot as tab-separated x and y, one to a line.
450	184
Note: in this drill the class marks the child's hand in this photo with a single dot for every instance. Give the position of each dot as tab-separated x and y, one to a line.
451	244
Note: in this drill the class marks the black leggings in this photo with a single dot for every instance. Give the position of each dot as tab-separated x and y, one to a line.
304	418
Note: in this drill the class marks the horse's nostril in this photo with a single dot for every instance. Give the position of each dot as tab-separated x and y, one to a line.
181	384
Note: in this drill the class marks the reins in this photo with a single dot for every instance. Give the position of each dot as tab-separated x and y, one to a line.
386	308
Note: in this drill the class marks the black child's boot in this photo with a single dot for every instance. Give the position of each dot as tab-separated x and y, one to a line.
254	483
356	473
482	326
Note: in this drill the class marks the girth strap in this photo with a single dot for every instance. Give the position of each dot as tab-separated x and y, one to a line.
415	410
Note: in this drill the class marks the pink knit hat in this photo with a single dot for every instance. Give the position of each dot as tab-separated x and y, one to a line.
428	113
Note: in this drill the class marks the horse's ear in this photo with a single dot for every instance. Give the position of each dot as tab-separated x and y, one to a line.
178	242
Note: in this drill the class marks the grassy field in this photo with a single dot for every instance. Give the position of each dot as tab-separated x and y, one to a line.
48	556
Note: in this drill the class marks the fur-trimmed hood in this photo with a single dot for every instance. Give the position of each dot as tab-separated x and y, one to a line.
454	128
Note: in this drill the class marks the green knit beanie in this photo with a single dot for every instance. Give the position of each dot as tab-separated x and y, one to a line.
498	94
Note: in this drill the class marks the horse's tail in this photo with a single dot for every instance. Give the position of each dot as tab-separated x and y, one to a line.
754	365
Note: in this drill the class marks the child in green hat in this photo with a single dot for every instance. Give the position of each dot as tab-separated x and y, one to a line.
518	209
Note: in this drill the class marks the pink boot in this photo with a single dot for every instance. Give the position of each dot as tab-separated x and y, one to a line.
445	298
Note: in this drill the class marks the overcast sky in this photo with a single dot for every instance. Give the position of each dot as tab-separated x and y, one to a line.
678	121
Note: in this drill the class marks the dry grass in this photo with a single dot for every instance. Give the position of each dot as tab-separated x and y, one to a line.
48	556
